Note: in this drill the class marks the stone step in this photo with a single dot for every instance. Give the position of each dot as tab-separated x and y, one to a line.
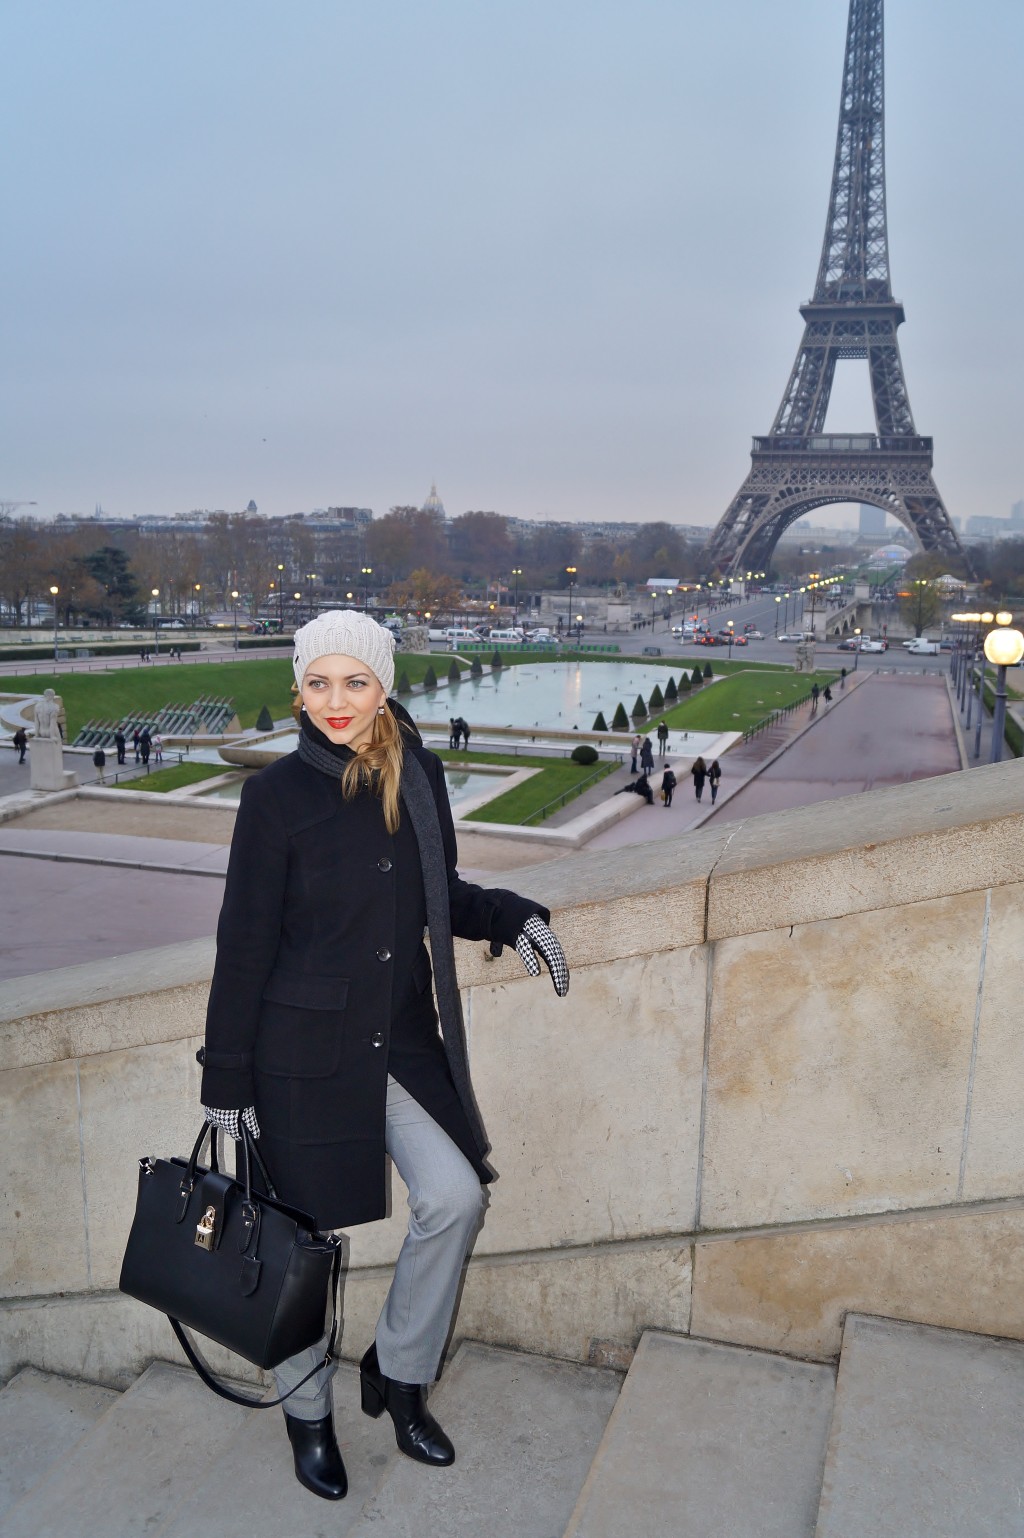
144	1454
709	1441
262	1496
525	1430
41	1419
926	1435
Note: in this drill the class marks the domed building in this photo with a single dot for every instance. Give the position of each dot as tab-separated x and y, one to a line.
433	504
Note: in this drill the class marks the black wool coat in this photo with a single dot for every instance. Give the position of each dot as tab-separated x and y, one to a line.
322	984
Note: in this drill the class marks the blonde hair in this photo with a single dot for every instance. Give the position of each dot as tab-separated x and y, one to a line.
378	766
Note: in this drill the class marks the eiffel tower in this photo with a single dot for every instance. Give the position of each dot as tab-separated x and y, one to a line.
798	466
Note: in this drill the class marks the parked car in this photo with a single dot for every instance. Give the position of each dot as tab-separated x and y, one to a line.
797	635
652	651
752	633
873	646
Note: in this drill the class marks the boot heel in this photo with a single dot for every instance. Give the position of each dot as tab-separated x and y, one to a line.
371	1398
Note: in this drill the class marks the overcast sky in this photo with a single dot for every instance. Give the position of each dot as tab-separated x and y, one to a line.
548	255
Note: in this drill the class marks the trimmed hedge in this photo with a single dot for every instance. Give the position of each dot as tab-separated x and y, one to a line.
584	754
403	685
430	679
639	708
620	720
264	721
657	699
600	724
454	673
671	692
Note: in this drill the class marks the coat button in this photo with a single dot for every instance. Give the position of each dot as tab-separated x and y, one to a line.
383	954
383	864
376	1040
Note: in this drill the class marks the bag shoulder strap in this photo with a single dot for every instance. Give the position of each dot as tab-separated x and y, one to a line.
242	1399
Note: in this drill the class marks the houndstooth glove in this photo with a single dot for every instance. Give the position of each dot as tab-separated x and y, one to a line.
229	1120
536	936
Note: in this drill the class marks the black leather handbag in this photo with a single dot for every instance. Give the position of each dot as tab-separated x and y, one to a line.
238	1266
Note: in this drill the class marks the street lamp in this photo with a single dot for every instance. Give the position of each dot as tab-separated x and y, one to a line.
572	573
785	617
280	596
856	647
298	612
517	572
1004	648
311	578
778	601
53	593
367	573
729	625
234	607
156	621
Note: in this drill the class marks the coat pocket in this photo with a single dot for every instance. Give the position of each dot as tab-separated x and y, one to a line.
302	1025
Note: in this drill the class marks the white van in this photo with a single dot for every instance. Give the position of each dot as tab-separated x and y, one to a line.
921	647
506	636
459	637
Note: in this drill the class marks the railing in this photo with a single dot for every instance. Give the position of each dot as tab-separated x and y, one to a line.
543	812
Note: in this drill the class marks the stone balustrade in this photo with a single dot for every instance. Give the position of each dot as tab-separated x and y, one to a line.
786	1083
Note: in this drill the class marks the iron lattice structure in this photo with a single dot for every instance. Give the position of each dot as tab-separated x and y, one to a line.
797	466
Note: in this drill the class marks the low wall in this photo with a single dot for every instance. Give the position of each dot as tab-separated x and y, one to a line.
786	1082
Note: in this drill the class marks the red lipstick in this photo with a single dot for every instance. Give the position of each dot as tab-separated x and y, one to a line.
338	722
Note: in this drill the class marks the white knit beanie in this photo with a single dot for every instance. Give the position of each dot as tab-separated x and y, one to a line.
347	634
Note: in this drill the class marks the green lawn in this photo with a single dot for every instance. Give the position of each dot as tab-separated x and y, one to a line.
736	703
522	803
178	776
251	684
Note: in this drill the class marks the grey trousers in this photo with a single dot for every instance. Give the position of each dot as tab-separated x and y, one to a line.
445	1211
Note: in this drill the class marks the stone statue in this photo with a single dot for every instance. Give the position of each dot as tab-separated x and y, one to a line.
48	772
48	717
805	657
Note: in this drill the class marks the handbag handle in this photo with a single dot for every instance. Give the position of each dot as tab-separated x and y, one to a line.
243	1399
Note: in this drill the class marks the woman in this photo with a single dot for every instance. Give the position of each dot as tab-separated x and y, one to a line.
647	756
668	785
714	776
321	1032
700	774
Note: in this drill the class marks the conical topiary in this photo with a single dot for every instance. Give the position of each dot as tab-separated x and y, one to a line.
476	668
696	679
430	679
496	661
620	720
600	724
684	684
403	685
454	673
264	721
657	699
707	670
671	692
639	709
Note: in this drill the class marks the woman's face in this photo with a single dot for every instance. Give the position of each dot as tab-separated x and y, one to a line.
342	697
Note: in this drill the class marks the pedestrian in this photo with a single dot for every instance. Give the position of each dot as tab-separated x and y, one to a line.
453	736
158	748
842	678
99	759
700	774
119	744
634	748
668	785
464	727
815	691
342	852
647	756
641	786
145	743
20	741
662	738
135	743
826	695
714	776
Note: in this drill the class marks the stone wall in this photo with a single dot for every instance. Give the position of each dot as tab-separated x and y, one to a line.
785	1083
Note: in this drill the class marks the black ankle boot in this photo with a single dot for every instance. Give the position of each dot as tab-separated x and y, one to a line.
318	1462
416	1431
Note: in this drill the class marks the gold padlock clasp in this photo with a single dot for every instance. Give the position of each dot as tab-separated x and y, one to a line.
205	1229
